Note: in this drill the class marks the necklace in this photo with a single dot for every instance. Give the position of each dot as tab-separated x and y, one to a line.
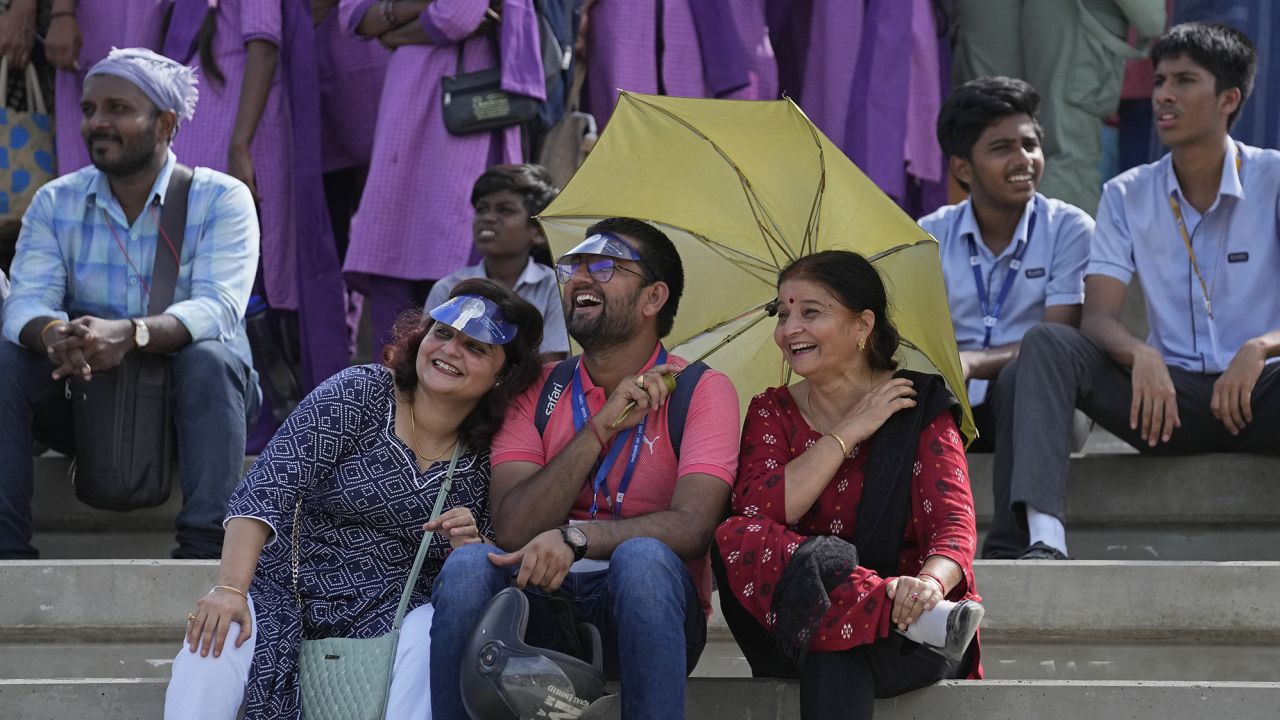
413	433
808	402
808	399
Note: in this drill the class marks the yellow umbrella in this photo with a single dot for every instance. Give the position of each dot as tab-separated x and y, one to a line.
743	188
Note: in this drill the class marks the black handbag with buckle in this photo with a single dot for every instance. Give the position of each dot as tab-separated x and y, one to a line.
475	102
126	440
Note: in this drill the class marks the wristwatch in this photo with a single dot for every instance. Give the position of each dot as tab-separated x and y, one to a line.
141	335
575	539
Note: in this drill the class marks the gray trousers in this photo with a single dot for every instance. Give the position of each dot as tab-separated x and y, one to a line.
1059	369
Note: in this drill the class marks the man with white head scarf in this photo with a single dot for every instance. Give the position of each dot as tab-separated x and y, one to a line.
82	279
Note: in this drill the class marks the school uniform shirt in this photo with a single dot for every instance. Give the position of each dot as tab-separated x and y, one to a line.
708	446
1236	244
537	284
1051	271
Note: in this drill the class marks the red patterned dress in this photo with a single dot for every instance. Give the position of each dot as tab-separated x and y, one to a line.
757	542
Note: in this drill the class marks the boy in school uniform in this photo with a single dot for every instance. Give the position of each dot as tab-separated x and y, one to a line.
1201	227
505	199
1011	257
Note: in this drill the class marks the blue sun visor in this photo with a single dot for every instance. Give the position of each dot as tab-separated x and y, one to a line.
606	244
477	317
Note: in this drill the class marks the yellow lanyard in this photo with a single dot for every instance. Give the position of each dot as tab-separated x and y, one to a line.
1186	242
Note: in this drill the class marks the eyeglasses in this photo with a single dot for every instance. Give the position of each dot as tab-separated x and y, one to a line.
601	270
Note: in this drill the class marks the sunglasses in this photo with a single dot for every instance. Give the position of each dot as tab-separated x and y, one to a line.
601	269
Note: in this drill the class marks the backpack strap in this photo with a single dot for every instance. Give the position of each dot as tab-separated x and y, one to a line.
556	385
677	403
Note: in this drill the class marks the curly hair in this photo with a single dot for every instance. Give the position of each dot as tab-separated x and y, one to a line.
520	367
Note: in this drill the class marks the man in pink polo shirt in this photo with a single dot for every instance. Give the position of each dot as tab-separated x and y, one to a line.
613	517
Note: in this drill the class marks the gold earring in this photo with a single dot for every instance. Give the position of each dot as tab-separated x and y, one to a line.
862	343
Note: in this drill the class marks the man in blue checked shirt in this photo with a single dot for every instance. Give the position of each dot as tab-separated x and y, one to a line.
1011	257
1202	227
81	278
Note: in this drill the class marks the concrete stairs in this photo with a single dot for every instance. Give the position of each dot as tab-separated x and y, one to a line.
1174	613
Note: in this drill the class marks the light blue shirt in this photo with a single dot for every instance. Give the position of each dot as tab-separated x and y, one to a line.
1236	244
1052	270
69	260
537	284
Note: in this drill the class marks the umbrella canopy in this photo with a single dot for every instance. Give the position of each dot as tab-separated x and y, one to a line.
743	188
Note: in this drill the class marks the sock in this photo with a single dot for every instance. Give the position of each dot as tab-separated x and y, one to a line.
931	627
1046	529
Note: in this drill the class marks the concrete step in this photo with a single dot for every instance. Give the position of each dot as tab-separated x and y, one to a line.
105	545
1104	489
1007	660
1125	489
1222	542
1171	661
130	699
1225	603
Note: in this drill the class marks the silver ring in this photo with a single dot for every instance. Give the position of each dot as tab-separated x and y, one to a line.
640	381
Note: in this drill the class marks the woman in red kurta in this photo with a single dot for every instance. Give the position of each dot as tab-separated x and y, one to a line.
853	437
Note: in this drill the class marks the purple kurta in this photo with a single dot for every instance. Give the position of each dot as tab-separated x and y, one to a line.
623	53
103	24
352	69
762	66
414	221
857	88
206	139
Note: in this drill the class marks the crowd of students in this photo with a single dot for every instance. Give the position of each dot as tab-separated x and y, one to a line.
846	556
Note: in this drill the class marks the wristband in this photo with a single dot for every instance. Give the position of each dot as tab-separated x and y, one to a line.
941	585
61	13
235	590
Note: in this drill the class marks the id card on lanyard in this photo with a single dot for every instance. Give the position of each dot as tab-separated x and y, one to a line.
991	313
634	437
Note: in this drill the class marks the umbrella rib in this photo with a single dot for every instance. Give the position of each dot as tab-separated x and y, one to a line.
813	227
900	248
757	209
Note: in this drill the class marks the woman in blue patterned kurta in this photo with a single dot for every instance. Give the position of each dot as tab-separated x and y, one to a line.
362	470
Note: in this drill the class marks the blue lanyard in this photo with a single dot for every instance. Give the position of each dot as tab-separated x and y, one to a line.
991	314
581	415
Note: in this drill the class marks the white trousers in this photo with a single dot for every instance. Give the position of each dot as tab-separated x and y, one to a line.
209	688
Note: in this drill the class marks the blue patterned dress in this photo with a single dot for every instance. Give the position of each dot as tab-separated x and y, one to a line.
363	505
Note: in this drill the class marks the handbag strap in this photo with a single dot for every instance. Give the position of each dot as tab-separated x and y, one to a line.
173	225
407	593
497	50
35	99
426	540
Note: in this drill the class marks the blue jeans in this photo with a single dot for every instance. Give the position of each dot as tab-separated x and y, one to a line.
213	393
645	607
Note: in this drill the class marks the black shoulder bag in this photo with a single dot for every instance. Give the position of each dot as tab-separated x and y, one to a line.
475	102
126	442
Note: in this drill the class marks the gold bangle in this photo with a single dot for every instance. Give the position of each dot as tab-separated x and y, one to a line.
235	590
48	325
844	449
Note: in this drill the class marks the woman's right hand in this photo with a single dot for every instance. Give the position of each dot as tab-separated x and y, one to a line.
62	44
213	616
875	408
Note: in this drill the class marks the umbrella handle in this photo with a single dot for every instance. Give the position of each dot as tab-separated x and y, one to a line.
668	379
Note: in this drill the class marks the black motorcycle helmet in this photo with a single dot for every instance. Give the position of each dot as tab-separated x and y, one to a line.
504	678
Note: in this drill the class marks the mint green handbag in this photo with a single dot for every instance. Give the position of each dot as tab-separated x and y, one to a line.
350	678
